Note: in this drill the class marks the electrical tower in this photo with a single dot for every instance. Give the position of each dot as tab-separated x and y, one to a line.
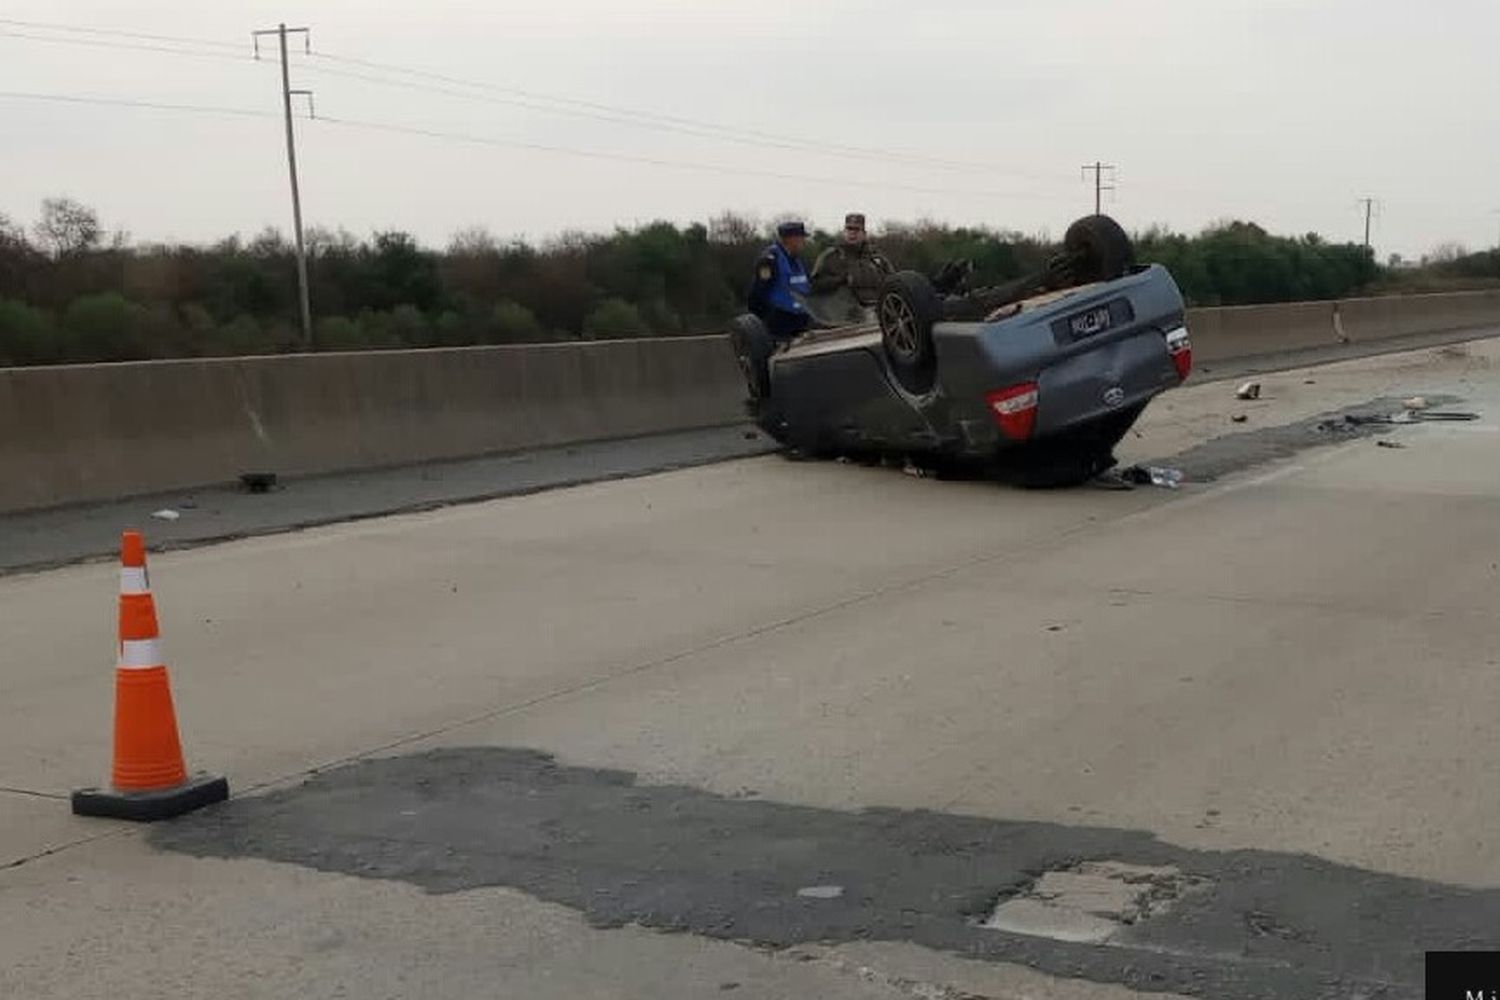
281	31
1098	169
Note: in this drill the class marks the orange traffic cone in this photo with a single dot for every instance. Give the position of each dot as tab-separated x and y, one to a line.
149	780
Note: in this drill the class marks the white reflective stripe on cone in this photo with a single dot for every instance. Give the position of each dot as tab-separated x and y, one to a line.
133	580
137	653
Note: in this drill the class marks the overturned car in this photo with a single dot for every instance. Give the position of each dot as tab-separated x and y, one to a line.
1039	378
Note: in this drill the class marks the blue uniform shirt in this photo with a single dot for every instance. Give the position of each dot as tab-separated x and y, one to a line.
776	296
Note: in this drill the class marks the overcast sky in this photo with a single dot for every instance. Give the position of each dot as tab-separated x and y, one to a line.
1285	112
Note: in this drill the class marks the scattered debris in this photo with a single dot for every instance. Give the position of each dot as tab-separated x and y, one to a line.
1111	480
1362	419
1387	443
258	482
1093	901
189	505
1457	415
1415	403
1054	628
1309	381
751	435
166	514
913	469
1239	418
1151	475
1250	390
821	891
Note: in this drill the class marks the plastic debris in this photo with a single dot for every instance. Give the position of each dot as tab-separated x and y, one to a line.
821	891
1415	403
913	469
166	514
1153	475
1250	390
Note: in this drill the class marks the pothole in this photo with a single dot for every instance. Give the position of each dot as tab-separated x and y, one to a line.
1091	902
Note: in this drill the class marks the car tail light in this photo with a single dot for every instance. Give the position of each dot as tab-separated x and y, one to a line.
1014	410
1181	349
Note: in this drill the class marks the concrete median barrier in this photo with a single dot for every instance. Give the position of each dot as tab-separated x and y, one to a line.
1244	331
77	433
1374	319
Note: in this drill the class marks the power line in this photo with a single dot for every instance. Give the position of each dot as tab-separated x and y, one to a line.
673	164
502	143
125	46
706	132
532	100
81	29
540	101
123	102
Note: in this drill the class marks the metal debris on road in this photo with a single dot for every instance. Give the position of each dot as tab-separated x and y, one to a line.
1455	415
166	514
1111	480
258	482
1250	390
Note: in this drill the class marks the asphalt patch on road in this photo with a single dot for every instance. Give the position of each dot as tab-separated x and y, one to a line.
1256	923
1243	450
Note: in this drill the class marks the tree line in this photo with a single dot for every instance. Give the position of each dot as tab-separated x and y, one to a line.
70	292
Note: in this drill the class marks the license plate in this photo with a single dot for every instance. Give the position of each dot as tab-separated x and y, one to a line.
1089	323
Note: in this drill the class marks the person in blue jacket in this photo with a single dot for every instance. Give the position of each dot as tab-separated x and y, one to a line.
781	283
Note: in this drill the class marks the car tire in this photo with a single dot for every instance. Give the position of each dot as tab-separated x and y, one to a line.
906	310
753	346
1100	249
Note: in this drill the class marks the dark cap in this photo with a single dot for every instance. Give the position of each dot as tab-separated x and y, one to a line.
792	227
854	220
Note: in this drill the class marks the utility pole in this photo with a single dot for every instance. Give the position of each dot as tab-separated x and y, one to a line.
1100	187
281	31
1369	204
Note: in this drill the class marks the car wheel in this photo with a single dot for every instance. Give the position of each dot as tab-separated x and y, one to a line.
753	345
1099	249
907	309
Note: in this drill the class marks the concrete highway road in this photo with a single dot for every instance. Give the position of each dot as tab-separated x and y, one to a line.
774	729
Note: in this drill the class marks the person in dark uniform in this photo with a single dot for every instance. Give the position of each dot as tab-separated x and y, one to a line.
853	263
781	284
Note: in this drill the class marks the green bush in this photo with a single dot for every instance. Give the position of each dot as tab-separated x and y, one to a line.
241	335
512	323
28	336
409	327
338	333
105	327
615	318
